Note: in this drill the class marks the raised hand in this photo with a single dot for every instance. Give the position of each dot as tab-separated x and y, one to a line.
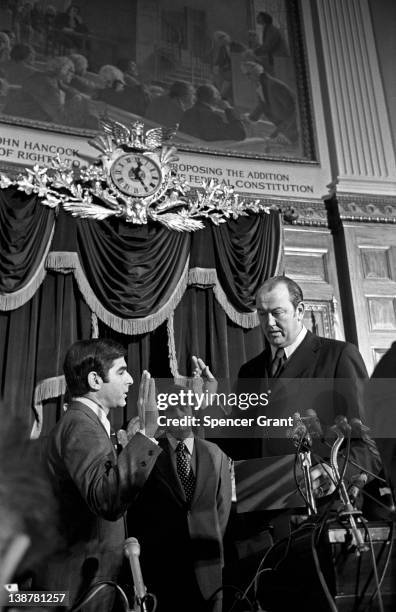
203	379
147	405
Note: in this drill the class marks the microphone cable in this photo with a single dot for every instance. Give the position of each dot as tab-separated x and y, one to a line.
92	591
386	564
95	589
237	599
260	570
320	575
377	591
318	529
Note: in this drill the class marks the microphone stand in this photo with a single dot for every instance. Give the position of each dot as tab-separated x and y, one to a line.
306	464
303	441
347	510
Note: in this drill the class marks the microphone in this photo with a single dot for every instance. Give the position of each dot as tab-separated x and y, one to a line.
359	428
132	551
313	423
362	431
358	482
299	433
341	425
302	440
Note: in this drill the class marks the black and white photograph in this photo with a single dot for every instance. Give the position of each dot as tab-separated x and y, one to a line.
197	305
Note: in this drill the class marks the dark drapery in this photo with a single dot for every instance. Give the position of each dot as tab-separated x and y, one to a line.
25	235
165	295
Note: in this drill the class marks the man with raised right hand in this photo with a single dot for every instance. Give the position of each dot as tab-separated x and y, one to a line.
94	485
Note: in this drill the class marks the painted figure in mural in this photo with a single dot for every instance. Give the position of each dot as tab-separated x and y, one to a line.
272	43
5	48
44	96
167	109
221	64
20	67
81	81
276	102
116	92
212	118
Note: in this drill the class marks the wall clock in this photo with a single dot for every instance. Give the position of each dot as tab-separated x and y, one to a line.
136	175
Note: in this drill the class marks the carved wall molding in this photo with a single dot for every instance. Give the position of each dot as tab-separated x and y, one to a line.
312	214
368	209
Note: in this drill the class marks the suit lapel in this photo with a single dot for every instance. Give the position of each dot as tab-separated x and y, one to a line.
302	358
90	414
94	417
203	470
297	367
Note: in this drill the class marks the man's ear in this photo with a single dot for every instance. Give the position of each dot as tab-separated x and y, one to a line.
300	311
94	381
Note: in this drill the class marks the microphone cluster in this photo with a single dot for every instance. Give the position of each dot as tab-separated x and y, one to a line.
308	427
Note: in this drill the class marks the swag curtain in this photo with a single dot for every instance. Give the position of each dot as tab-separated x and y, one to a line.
164	295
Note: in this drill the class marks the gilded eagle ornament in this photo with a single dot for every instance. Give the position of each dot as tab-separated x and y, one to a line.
134	178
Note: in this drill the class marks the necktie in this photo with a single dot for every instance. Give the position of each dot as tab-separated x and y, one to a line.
278	362
184	471
114	441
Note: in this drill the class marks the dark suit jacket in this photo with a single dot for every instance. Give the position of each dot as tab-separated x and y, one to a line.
323	374
178	542
381	416
93	488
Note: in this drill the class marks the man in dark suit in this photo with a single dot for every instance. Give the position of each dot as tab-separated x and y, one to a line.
381	393
92	484
180	519
300	370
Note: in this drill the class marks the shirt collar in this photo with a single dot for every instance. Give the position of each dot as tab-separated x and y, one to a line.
289	350
98	410
189	442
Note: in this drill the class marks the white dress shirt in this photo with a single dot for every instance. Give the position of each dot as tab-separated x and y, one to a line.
289	350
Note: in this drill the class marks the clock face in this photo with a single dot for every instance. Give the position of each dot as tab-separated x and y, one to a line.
136	175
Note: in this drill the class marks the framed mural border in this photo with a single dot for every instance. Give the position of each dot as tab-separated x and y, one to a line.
303	94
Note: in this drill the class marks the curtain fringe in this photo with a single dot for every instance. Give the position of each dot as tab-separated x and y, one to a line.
202	276
49	387
62	261
247	320
174	366
11	301
281	251
45	389
208	276
94	326
68	262
143	325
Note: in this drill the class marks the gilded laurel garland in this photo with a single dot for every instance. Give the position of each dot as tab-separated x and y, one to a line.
133	178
